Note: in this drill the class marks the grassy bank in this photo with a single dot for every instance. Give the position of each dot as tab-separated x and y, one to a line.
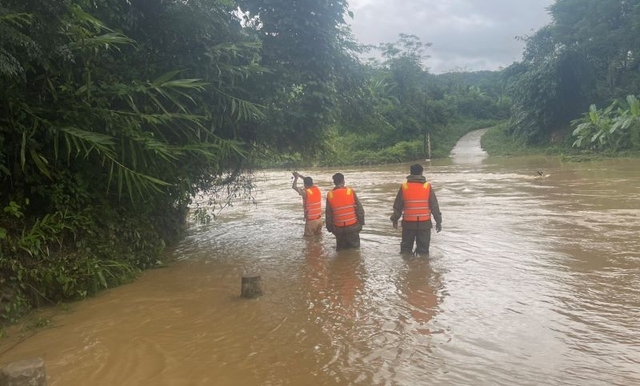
498	142
352	150
69	255
364	149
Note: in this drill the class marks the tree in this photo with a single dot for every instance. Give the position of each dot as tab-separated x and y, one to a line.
113	113
587	54
307	49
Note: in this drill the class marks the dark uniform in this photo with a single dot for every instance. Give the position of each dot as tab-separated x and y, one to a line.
418	231
346	236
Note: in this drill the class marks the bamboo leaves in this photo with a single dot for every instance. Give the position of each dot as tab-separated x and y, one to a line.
11	37
142	135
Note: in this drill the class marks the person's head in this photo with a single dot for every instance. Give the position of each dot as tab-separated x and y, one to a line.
308	182
416	169
338	179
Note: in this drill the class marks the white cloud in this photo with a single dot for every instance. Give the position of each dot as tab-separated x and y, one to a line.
469	34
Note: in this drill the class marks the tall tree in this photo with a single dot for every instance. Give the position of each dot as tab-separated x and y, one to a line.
588	53
306	47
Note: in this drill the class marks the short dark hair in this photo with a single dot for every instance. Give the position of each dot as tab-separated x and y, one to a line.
338	179
416	169
308	182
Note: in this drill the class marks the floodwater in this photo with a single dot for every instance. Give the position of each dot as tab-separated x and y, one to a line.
534	280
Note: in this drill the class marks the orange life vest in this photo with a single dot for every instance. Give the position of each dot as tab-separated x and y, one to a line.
416	201
343	206
312	203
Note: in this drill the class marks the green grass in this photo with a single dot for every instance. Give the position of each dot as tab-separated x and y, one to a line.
497	141
446	139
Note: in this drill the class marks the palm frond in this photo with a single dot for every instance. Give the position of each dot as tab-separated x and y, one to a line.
84	141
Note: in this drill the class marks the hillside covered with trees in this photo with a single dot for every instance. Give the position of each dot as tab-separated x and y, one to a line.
579	77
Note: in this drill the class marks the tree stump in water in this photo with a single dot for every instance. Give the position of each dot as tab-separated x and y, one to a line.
30	372
251	286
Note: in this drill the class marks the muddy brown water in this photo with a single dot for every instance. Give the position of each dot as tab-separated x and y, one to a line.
534	280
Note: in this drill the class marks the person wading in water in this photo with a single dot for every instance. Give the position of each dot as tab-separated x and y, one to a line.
312	204
344	215
416	203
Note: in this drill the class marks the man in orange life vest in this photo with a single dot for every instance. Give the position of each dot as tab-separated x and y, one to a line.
417	204
312	203
344	214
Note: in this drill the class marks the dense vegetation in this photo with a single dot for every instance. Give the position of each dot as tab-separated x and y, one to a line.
113	113
589	55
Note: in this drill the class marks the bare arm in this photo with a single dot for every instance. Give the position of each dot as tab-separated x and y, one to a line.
294	185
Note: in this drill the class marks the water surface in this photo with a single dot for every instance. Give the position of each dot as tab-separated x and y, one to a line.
534	280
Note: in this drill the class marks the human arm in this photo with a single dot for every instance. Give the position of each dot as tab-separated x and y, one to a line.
294	184
328	216
397	208
359	209
435	210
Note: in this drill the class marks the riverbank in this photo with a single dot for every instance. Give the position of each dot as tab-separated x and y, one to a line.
50	261
498	142
364	149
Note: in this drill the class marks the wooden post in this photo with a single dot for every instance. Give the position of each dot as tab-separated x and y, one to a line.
429	145
250	286
30	372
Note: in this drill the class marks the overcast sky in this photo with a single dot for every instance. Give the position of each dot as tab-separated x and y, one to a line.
465	35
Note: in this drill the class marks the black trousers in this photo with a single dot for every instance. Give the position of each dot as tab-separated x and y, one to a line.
346	240
420	235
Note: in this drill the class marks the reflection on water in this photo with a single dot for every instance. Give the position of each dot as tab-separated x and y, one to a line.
534	280
417	287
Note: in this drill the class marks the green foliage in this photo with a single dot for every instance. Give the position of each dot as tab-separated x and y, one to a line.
14	210
13	306
356	149
474	95
10	36
587	54
113	114
594	130
345	155
612	128
629	121
402	104
309	53
499	141
64	256
227	191
389	109
546	95
136	134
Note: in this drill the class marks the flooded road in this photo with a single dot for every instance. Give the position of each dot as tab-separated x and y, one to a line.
534	280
